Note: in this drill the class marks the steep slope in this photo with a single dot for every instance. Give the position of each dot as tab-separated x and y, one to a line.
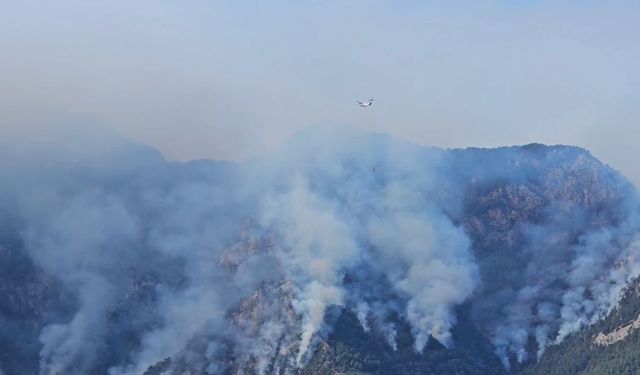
608	347
525	217
351	350
343	252
537	186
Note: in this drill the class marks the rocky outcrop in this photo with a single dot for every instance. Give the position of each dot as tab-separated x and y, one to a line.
518	215
618	334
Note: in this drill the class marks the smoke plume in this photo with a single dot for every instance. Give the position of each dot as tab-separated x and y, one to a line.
205	261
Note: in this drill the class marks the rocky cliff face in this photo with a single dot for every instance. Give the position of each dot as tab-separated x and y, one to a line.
523	224
609	346
352	254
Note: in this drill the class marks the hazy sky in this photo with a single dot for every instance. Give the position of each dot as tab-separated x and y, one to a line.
232	79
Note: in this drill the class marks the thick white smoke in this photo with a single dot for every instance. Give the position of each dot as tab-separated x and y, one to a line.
595	278
152	257
363	223
83	254
74	346
317	248
581	262
189	232
427	259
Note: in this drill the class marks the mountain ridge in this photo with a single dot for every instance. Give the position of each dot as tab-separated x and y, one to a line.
320	258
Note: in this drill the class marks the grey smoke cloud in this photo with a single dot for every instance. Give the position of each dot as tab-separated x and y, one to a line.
137	251
338	213
170	253
579	262
429	260
319	250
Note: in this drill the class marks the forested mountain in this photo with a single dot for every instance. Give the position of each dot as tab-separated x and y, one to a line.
342	252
